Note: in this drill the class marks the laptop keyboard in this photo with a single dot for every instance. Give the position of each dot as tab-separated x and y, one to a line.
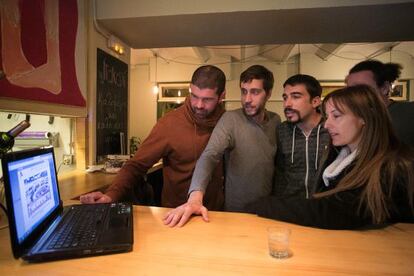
79	228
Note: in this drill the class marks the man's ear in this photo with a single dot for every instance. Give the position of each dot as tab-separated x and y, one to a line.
222	96
269	94
316	101
386	88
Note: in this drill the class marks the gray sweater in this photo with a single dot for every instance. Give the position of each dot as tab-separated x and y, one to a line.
249	150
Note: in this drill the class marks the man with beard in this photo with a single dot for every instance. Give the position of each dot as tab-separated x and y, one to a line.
301	139
247	139
178	138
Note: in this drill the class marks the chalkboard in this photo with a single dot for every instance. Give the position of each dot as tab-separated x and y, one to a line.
111	105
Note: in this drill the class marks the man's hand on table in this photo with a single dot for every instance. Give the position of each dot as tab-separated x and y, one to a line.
180	215
95	197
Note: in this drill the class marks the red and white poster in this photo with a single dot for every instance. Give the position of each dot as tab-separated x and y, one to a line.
37	46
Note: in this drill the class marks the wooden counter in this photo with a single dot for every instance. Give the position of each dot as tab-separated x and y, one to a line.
235	244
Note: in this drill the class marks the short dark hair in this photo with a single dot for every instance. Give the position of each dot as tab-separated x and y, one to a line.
209	76
382	71
312	85
258	72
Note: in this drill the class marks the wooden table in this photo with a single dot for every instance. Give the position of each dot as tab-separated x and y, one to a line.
231	244
75	183
234	244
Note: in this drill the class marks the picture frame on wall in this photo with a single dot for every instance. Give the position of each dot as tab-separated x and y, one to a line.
173	92
400	90
330	86
171	96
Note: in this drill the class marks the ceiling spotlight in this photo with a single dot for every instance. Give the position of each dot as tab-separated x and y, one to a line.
115	45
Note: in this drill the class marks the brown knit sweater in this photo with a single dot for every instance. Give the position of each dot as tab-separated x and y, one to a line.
178	138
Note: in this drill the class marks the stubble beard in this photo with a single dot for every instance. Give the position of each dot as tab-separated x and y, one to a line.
258	110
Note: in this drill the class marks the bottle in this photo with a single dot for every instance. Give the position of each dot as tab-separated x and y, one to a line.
134	143
7	138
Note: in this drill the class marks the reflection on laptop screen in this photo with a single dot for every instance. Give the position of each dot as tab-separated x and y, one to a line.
34	191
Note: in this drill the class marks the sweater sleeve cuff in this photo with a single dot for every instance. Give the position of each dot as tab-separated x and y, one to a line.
114	195
196	189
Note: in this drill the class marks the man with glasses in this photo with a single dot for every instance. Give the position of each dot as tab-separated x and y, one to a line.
380	76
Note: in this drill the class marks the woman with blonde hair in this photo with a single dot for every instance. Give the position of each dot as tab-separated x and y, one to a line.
369	179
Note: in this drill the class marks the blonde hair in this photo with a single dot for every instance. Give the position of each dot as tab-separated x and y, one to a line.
380	157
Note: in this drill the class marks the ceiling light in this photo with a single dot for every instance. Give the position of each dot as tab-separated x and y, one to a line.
115	45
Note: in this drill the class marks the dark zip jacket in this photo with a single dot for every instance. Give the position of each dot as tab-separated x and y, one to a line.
298	159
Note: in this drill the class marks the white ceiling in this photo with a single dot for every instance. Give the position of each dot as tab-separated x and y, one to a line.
334	24
355	32
279	53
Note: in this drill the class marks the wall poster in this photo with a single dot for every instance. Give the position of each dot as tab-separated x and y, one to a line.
37	46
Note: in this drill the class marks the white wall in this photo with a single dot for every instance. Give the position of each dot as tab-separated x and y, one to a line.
96	39
337	68
142	103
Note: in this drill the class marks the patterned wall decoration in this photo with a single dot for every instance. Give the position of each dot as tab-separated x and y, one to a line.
38	39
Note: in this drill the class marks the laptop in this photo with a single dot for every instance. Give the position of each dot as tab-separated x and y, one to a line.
42	229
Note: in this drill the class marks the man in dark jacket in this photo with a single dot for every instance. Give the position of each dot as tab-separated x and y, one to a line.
301	139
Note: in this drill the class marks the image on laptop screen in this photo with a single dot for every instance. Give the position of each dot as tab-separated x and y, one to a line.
34	191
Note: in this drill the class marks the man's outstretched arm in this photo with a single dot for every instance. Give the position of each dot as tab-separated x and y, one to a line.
220	140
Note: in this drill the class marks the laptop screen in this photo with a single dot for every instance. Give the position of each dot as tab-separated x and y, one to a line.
34	190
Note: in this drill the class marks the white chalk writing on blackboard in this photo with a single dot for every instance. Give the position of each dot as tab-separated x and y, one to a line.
111	104
111	76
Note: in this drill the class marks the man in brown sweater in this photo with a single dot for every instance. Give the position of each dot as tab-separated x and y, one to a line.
178	138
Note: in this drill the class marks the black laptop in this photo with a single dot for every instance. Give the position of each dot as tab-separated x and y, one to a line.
41	229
